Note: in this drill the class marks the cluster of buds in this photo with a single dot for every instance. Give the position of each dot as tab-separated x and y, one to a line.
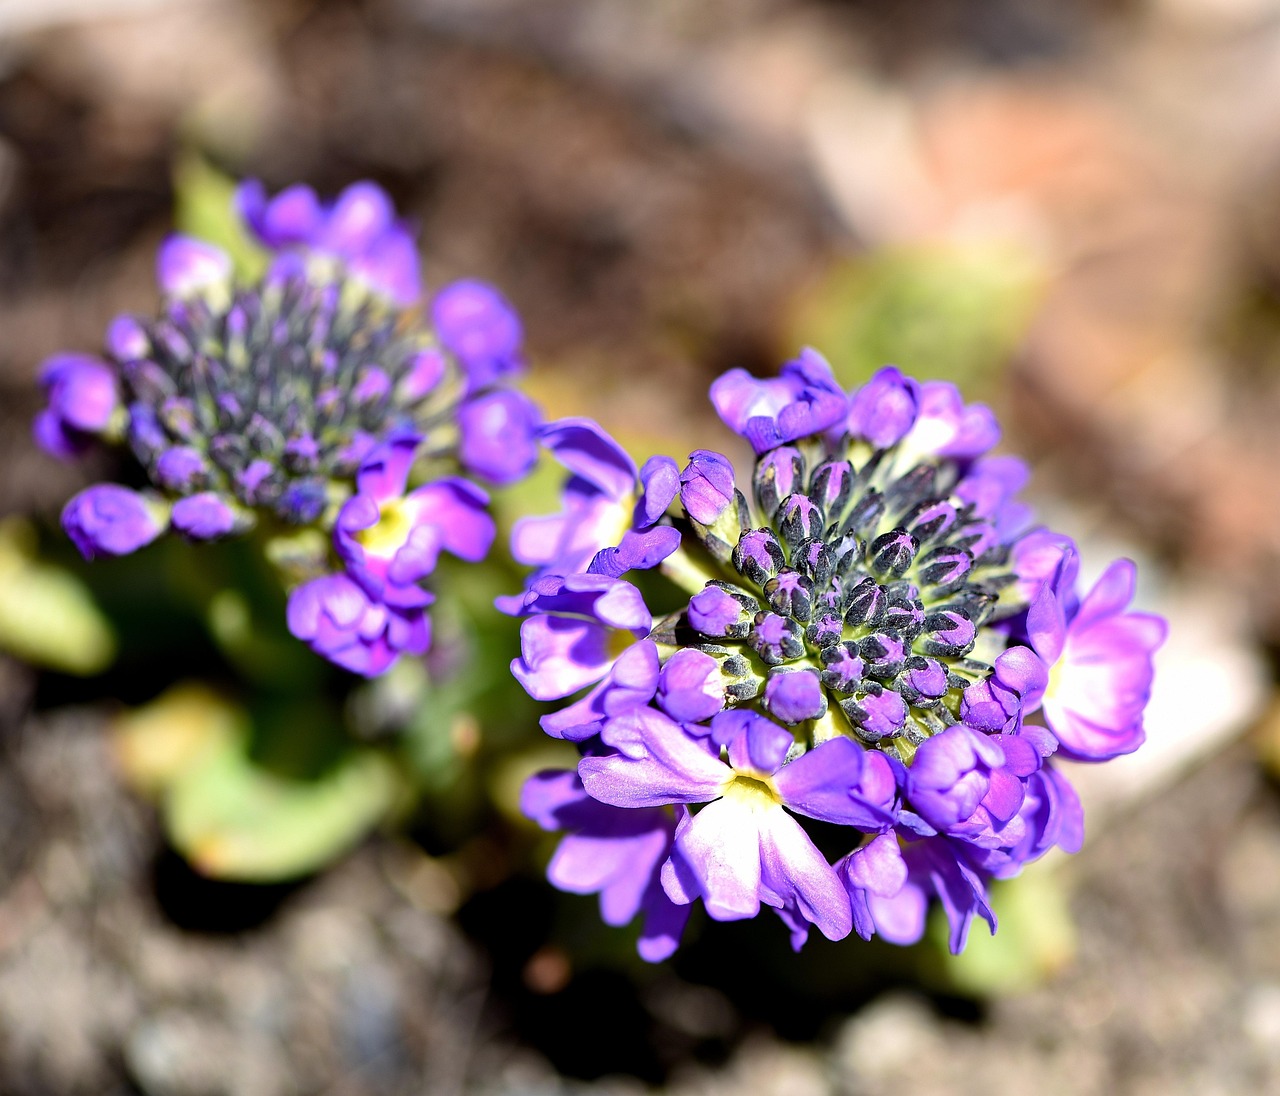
301	405
877	638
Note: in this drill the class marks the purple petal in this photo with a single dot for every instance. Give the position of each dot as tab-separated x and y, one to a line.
690	687
185	266
884	408
498	435
587	451
794	872
657	763
477	325
205	516
839	782
109	520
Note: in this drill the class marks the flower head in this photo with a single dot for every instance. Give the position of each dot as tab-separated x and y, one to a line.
879	638
318	397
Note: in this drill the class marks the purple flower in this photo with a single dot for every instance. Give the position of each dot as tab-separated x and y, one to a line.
479	328
609	522
882	585
338	620
110	520
935	868
359	228
611	852
498	435
805	399
1101	667
390	540
743	848
970	785
83	397
303	397
586	630
946	426
884	408
187	267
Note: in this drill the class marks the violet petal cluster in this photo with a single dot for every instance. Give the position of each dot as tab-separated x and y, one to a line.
884	641
318	397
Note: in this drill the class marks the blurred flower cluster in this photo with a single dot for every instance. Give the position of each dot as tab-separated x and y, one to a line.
301	405
877	637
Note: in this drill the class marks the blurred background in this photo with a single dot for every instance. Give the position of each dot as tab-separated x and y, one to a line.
1070	209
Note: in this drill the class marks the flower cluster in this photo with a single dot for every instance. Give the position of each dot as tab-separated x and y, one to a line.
303	403
877	637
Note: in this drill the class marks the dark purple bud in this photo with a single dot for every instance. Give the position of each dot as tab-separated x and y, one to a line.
794	696
905	615
832	485
883	655
932	518
146	437
884	408
148	382
844	667
908	491
303	502
826	630
758	555
981	538
778	473
230	410
717	613
690	688
790	594
866	603
866	513
923	679
775	638
181	468
264	436
944	568
813	558
949	633
800	519
127	339
204	516
372	386
110	520
178	415
259	483
892	553
707	488
301	454
877	715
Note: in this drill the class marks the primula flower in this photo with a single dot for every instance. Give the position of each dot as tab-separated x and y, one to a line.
610	521
611	852
586	630
1100	664
876	635
311	398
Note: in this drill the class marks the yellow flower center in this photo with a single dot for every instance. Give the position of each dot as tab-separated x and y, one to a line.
756	792
619	640
388	535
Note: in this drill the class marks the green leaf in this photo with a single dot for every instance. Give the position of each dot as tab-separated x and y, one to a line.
47	616
204	207
234	820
